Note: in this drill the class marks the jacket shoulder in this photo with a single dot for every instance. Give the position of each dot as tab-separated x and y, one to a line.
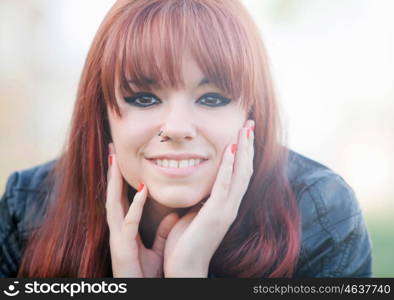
31	179
304	172
23	184
25	191
335	241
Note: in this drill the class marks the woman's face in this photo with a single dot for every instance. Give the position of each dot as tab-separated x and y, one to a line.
195	124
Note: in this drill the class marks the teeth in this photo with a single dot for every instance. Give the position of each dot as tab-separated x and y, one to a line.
173	164
170	163
183	164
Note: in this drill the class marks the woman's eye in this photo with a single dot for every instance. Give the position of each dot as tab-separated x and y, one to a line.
213	100
148	99
142	99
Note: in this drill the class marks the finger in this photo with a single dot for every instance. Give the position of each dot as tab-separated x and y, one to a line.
133	216
111	148
242	150
251	138
125	201
162	232
222	183
243	167
140	243
114	206
251	141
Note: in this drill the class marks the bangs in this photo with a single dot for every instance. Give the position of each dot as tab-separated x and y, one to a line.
146	44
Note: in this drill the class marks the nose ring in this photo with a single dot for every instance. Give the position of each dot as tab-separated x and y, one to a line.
165	139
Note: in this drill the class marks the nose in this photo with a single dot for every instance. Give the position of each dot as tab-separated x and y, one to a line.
178	122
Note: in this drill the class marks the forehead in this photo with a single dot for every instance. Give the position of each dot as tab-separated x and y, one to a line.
191	72
191	75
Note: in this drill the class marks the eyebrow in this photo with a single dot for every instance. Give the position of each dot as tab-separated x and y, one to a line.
203	81
150	82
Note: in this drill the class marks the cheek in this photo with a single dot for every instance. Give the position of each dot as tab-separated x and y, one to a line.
129	138
130	131
131	123
224	130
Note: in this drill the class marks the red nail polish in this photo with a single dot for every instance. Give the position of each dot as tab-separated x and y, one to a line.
140	187
110	160
233	148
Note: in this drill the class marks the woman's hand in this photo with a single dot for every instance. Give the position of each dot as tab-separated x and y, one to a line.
129	256
196	236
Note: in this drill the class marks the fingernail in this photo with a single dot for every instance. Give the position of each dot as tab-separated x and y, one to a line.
140	187
233	148
110	159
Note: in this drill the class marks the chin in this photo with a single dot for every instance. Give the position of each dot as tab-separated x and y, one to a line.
174	198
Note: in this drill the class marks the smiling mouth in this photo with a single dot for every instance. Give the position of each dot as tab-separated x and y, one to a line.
178	164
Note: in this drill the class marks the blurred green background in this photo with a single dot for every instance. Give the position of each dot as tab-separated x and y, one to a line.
380	229
332	64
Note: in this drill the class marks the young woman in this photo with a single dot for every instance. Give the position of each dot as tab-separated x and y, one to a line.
175	165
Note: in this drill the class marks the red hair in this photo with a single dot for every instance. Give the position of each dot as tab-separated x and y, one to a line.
141	39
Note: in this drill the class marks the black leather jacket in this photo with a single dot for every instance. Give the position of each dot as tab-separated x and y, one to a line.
335	241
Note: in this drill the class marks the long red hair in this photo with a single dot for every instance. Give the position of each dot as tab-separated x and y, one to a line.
141	39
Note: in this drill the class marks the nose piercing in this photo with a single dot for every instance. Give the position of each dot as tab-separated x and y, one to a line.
165	139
